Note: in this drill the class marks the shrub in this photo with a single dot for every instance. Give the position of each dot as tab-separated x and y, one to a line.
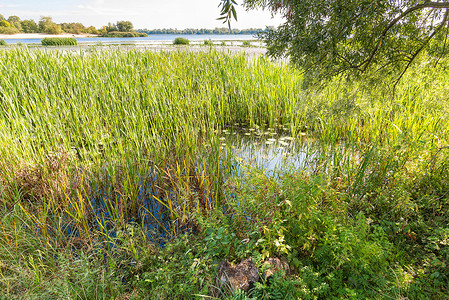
59	42
3	43
277	287
246	44
181	41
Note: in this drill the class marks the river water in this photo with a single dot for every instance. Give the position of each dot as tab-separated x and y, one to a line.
150	40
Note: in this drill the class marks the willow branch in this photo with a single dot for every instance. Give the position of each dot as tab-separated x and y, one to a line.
420	49
438	5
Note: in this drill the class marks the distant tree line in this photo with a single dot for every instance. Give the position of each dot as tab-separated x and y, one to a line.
14	24
223	30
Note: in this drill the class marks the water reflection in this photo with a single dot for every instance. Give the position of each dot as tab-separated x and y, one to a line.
273	150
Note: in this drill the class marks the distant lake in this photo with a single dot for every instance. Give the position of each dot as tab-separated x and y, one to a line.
151	39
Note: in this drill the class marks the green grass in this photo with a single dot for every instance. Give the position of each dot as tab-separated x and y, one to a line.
59	42
368	221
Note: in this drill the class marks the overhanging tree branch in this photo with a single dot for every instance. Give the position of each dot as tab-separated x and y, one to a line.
426	42
439	5
353	36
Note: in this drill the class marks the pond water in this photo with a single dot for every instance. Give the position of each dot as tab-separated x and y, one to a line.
272	150
150	40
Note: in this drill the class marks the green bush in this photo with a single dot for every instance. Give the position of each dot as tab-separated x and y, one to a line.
296	217
59	42
8	30
277	287
178	271
246	44
181	41
3	43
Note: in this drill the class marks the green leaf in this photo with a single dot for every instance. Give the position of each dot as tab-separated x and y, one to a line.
234	13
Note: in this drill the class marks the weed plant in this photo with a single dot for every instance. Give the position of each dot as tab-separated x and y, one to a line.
107	155
3	43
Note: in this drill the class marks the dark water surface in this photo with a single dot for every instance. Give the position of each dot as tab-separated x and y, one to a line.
272	150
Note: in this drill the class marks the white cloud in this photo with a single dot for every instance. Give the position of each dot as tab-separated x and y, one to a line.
9	5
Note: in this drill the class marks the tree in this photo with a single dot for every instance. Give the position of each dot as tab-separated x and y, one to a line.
29	26
124	26
92	30
75	28
353	36
15	22
47	25
6	28
4	23
111	27
103	30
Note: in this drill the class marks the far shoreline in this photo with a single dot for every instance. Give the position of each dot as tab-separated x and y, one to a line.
20	36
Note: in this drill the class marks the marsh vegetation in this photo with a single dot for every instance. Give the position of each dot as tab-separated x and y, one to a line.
59	42
131	173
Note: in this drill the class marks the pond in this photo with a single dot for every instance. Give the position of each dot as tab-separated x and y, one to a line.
272	150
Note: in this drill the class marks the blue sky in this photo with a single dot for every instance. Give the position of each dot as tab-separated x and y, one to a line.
142	13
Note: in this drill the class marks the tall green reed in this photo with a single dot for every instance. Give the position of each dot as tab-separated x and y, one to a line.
72	124
77	123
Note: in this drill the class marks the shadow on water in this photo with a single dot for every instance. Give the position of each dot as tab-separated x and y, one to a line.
145	210
153	207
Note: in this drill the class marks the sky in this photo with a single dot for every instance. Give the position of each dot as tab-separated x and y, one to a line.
150	14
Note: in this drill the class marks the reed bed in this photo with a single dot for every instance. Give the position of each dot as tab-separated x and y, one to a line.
79	125
74	125
91	142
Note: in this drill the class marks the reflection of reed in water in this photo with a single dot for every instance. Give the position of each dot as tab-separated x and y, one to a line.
271	149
